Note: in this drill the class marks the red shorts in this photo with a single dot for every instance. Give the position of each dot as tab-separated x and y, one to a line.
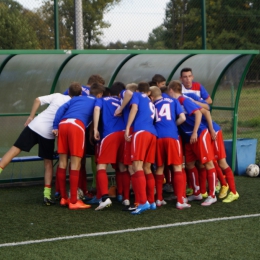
218	146
143	147
201	150
127	150
168	152
71	137
112	148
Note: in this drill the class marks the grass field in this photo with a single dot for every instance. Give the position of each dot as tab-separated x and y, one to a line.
30	230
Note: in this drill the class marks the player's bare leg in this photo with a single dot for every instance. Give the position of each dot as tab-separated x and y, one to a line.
7	158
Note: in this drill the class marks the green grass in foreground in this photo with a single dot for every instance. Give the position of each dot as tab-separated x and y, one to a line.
230	239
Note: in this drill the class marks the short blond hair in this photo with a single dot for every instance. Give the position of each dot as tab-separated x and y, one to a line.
155	92
131	86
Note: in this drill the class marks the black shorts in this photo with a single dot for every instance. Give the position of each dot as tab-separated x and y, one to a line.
28	138
89	148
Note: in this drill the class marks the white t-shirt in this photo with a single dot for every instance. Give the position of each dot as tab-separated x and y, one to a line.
42	124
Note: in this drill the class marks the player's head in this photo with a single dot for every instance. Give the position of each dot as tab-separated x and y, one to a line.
107	92
75	89
155	93
174	88
116	88
96	90
95	78
131	86
164	89
186	77
144	87
159	80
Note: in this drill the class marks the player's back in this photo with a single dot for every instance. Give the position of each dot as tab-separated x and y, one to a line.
80	107
167	109
110	122
145	115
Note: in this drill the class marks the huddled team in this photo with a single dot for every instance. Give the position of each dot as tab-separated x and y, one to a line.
146	131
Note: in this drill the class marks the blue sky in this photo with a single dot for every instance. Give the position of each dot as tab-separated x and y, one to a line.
130	20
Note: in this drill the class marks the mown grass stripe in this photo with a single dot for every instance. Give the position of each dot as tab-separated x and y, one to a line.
128	230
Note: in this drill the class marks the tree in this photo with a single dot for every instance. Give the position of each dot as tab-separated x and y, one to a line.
231	24
15	30
93	23
156	38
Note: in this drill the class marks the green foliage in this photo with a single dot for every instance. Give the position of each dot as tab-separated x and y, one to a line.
93	23
253	122
15	29
230	24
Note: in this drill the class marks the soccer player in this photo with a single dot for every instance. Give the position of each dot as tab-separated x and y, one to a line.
38	130
189	86
111	148
69	125
158	80
123	180
93	79
168	114
220	162
143	147
197	141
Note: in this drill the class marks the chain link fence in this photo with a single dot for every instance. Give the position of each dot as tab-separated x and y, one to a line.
148	24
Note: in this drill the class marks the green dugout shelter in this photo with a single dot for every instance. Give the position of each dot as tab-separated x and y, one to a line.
25	75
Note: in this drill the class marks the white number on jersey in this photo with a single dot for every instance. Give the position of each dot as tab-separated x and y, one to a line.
152	108
165	111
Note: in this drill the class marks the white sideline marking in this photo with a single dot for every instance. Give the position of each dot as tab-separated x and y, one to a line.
127	230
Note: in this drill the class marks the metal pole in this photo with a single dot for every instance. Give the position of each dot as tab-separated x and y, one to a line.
79	25
203	24
56	25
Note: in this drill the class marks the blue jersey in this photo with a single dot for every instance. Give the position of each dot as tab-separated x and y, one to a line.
187	126
166	112
196	89
216	127
85	91
110	123
126	110
145	115
80	107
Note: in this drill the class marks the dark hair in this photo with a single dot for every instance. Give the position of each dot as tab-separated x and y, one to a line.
116	88
158	78
107	92
95	78
143	87
186	70
75	89
164	89
96	89
175	85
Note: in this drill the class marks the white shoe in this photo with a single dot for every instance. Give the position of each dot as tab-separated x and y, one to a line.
126	202
160	203
195	197
167	187
185	200
182	206
171	197
103	204
209	200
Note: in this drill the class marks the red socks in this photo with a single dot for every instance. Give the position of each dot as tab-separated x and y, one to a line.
230	179
194	180
178	186
61	179
203	180
126	185
159	186
74	181
150	185
102	182
139	187
211	181
83	179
